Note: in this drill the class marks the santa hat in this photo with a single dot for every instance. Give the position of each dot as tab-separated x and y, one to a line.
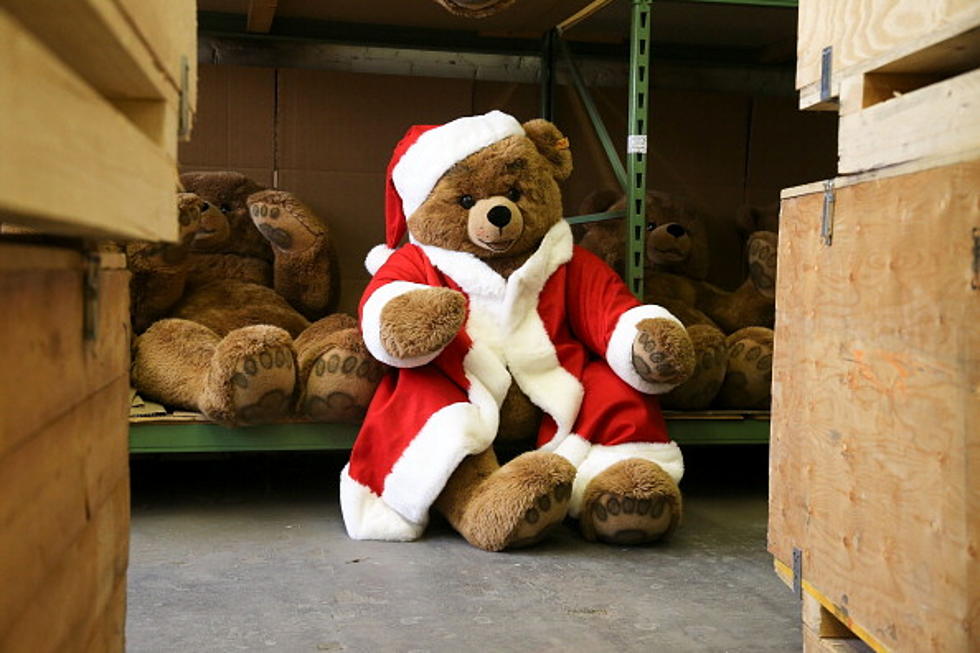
421	158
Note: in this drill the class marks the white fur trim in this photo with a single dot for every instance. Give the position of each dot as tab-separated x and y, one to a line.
666	454
371	323
377	257
573	448
437	150
619	352
367	517
504	319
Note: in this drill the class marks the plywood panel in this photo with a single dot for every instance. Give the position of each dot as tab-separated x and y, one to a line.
75	595
82	176
50	367
875	441
51	487
864	30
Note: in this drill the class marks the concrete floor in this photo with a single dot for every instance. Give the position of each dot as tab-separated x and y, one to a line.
248	552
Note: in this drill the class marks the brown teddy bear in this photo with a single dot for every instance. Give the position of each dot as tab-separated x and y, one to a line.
234	320
495	319
733	370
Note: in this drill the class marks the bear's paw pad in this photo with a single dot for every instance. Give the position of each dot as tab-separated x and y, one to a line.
545	514
340	385
627	520
283	220
262	385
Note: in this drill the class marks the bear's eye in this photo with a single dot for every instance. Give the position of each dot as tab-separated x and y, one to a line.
651	226
205	206
514	194
467	201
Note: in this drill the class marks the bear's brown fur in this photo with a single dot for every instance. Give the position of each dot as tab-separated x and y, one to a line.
496	507
677	260
234	319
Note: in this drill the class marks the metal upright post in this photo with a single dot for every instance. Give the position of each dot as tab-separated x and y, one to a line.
636	146
548	75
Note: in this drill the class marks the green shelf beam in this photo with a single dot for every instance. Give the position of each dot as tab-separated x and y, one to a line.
204	437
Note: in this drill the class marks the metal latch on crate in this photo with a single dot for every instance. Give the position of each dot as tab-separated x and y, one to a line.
826	71
975	283
798	573
90	296
827	218
184	117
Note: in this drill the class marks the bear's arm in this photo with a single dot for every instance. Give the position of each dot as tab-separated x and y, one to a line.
604	315
159	278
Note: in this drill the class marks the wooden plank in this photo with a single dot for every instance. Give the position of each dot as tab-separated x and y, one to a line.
875	424
109	633
870	34
581	15
52	484
260	15
67	604
95	174
937	120
51	367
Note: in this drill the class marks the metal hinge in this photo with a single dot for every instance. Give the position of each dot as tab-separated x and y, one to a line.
826	71
184	117
90	296
975	283
827	219
798	573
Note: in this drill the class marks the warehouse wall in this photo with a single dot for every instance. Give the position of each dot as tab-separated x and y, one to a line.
327	136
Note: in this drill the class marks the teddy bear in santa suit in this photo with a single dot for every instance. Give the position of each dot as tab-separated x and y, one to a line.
496	325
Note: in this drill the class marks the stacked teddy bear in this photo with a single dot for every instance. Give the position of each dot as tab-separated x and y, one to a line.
731	330
499	326
234	320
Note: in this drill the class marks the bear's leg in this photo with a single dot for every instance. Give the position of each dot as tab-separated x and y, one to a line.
171	361
625	490
633	501
513	506
748	379
337	375
251	377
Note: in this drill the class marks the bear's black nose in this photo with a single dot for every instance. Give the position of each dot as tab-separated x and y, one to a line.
676	230
499	216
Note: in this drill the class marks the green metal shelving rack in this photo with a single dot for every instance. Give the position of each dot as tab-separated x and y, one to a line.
703	428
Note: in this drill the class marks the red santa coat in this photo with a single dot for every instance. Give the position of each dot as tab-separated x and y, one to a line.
547	327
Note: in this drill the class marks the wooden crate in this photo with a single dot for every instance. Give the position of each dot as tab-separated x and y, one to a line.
875	444
64	470
94	93
906	37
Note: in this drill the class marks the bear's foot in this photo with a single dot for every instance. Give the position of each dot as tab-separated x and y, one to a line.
517	505
698	391
340	385
748	379
762	262
632	502
252	377
284	221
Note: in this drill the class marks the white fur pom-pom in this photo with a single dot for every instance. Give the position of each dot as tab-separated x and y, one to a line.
377	257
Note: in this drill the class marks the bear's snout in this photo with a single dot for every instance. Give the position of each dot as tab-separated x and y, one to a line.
494	224
669	244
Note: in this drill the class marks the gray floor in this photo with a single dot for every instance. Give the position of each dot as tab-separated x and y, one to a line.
248	552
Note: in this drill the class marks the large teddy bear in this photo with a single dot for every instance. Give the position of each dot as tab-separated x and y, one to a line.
731	329
497	325
234	319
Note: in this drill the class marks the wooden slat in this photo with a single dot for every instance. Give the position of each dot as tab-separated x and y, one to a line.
109	632
938	120
71	162
875	424
260	15
68	603
871	34
52	484
50	367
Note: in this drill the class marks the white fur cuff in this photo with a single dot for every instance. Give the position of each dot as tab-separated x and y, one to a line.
367	517
619	353
371	323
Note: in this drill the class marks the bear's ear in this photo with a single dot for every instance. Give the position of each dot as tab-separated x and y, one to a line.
552	145
599	201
